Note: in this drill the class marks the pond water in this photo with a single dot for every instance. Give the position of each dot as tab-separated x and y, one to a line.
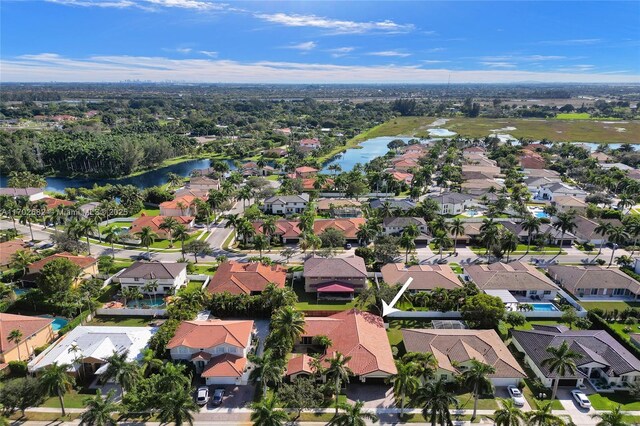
144	180
371	148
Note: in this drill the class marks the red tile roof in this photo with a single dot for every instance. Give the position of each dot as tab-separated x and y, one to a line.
27	325
52	203
299	364
211	333
225	365
284	228
306	169
154	223
348	226
244	278
186	201
8	248
81	261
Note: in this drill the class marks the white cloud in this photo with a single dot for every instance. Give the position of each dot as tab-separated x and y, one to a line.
336	26
390	53
339	52
494	64
433	61
537	58
305	46
53	67
209	53
183	50
572	42
145	4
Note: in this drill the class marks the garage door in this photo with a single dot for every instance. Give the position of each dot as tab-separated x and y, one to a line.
568	382
221	380
503	382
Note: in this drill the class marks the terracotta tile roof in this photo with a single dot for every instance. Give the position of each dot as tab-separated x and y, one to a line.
515	276
453	347
8	248
306	169
153	270
299	364
244	278
27	325
154	223
569	201
186	200
336	267
402	177
211	333
52	203
309	183
313	141
284	228
360	335
425	277
348	226
225	365
81	261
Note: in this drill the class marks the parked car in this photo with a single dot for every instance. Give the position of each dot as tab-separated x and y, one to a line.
218	394
199	225
347	246
144	256
202	395
46	246
581	398
516	395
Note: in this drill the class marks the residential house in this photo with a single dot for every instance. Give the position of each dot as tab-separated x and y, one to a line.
303	172
592	280
7	250
520	279
401	177
551	234
602	358
87	349
404	165
154	222
403	205
619	166
479	187
166	278
88	266
179	206
203	183
395	226
347	226
425	277
202	194
286	204
456	349
585	231
88	208
36	333
470	235
311	144
552	190
309	184
535	182
565	203
600	157
339	207
480	160
334	277
34	194
252	169
288	230
531	160
473	150
491	171
51	203
361	336
218	349
541	173
246	278
452	203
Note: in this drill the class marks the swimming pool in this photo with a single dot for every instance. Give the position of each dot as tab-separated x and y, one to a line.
20	291
58	322
146	303
541	215
545	307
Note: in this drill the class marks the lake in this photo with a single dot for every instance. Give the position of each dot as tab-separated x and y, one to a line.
144	180
371	148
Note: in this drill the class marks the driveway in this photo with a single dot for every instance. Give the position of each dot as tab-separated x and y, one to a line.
234	397
373	396
580	416
502	392
262	330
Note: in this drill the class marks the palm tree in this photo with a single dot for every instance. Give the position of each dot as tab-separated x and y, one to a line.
267	369
21	260
169	224
266	413
339	371
438	224
181	233
615	417
405	382
352	415
441	241
365	234
633	228
268	228
408	243
131	294
245	194
233	220
149	362
562	360
602	229
26	217
99	409
260	243
147	237
509	242
288	323
15	336
309	240
177	408
477	378
617	236
566	222
55	380
174	179
111	235
456	228
532	225
436	401
245	230
151	287
125	373
509	414
489	233
85	227
543	416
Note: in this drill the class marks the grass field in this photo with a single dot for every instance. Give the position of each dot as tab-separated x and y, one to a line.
610	401
610	306
122	321
578	130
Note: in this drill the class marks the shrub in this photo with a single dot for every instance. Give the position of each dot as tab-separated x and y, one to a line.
18	368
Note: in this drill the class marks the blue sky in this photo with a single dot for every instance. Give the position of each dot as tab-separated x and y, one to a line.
320	41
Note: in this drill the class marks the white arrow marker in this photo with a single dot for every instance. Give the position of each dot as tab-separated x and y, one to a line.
389	309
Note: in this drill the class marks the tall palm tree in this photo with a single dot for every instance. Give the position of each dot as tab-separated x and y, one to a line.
565	222
169	224
266	413
27	217
177	408
509	242
509	414
85	227
544	416
111	235
15	336
8	204
268	228
456	228
602	229
441	241
99	409
365	234
260	242
532	226
405	382
477	378
268	368
288	324
149	362
56	381
339	372
123	372
131	294
617	236
233	220
151	287
182	234
147	237
435	401
352	415
174	179
489	233
438	224
633	229
562	360
615	417
21	260
408	243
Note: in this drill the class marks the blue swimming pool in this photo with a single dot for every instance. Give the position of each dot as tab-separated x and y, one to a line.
546	307
541	215
20	291
146	303
58	322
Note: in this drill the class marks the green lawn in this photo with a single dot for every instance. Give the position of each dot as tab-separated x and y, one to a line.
205	269
573	116
72	399
610	401
122	321
308	301
529	324
148	212
466	402
192	286
610	306
456	268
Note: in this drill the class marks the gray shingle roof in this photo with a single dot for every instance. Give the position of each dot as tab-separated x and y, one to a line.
403	221
337	267
515	276
586	277
153	270
451	198
395	203
301	198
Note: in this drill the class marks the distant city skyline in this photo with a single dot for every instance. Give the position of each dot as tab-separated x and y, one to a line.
320	42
